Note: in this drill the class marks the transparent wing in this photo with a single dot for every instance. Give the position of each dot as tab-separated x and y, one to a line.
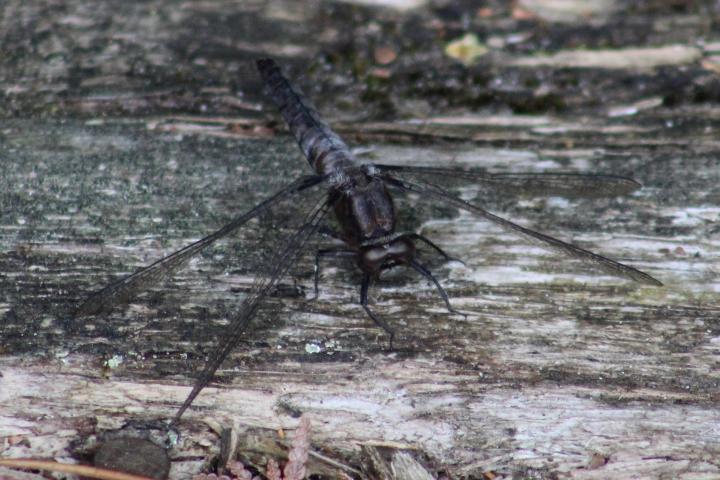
279	264
123	290
610	266
560	184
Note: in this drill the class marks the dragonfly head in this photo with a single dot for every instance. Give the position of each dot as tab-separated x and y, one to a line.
382	256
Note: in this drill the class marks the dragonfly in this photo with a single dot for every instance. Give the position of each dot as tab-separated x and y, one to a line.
359	196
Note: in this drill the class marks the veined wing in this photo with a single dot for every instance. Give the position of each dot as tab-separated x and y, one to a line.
561	184
123	290
610	266
280	263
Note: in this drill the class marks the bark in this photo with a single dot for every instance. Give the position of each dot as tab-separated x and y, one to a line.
131	130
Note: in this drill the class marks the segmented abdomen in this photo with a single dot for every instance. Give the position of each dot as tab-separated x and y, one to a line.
325	151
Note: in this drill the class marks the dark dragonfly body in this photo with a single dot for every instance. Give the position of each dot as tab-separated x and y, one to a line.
362	204
359	195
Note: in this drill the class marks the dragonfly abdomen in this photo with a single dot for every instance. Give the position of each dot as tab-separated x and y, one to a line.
323	148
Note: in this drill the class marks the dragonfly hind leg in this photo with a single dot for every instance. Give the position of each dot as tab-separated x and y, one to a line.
422	270
364	287
433	245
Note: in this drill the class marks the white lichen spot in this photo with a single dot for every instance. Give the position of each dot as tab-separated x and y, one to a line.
114	361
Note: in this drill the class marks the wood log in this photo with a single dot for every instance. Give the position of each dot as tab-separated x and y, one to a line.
125	137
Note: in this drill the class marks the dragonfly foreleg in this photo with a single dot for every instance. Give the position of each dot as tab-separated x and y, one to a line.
364	287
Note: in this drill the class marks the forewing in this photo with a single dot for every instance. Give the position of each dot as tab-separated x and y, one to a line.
281	261
610	266
547	184
125	289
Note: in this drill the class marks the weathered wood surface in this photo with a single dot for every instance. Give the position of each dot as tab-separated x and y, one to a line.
131	130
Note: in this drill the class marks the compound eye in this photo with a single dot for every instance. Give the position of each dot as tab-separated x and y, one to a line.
398	249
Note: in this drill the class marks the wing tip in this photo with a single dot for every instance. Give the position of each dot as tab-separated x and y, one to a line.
86	309
645	279
631	185
265	63
652	281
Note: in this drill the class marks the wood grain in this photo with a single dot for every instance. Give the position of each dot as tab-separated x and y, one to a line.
121	142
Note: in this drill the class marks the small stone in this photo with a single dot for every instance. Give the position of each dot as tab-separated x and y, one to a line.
134	455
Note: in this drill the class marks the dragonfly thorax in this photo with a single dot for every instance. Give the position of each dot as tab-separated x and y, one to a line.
365	211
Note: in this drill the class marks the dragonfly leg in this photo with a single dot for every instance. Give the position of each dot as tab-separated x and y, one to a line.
324	253
430	243
364	287
422	270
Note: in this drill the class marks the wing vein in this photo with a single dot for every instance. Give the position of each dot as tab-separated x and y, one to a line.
126	288
563	184
610	266
280	263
